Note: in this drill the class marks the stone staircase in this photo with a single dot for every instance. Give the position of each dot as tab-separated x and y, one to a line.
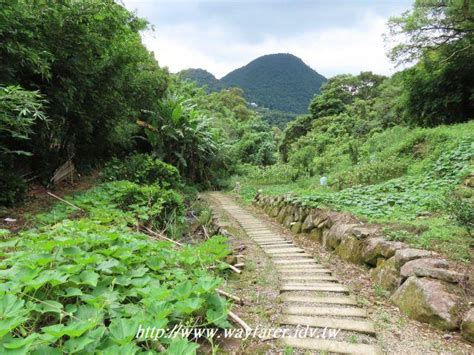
311	296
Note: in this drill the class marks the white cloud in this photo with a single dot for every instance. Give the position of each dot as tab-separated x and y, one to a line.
219	47
330	51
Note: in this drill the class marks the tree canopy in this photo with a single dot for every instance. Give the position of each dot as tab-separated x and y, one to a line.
431	25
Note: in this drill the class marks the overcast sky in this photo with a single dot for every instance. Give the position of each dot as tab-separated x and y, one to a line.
331	36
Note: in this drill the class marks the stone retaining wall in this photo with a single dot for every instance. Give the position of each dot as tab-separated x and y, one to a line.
420	282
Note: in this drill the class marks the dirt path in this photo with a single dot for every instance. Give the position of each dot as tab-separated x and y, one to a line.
313	287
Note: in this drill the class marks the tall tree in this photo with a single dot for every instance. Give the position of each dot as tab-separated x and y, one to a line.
430	25
440	36
86	58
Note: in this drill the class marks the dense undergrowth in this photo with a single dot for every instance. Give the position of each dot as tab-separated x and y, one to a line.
419	202
85	278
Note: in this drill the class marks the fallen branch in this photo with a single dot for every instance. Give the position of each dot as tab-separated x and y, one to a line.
63	200
239	321
239	265
161	236
206	234
232	297
232	267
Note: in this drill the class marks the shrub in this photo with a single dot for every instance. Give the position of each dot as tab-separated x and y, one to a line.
461	210
148	203
302	159
142	169
123	202
273	174
372	172
12	188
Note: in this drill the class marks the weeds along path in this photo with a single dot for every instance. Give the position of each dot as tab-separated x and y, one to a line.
312	297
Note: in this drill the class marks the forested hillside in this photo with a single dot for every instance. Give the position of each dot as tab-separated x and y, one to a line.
282	83
128	243
277	81
201	77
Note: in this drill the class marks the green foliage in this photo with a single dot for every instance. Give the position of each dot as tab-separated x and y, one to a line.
141	169
87	281
87	60
431	24
180	135
402	175
237	133
404	197
149	203
202	78
342	90
256	145
462	210
438	90
294	130
267	175
276	118
124	202
371	172
79	286
12	188
440	35
343	109
215	88
19	109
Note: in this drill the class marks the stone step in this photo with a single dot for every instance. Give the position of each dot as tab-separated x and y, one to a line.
305	269
269	238
311	283
325	311
271	250
308	278
331	346
263	236
362	326
271	245
290	255
346	300
320	288
279	237
300	267
278	244
291	262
